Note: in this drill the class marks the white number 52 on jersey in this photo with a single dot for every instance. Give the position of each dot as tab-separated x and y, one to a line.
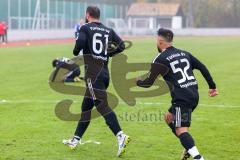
183	71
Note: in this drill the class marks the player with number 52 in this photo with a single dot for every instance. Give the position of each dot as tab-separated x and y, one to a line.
176	66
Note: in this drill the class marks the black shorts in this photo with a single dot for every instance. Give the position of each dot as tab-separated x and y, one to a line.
97	89
182	115
97	85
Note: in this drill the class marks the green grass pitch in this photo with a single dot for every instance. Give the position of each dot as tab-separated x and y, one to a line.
30	130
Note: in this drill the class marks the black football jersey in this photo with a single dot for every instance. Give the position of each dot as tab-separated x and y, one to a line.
179	75
94	39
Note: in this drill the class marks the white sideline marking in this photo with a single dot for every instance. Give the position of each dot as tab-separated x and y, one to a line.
3	101
121	102
83	142
201	104
89	141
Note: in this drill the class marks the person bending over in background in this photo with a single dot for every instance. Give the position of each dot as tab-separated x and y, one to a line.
74	71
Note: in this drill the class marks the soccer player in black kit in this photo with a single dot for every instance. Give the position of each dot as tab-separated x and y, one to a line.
94	39
176	67
74	71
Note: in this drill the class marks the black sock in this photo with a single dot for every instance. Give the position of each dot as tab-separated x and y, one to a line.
112	122
187	140
188	143
83	123
197	157
81	128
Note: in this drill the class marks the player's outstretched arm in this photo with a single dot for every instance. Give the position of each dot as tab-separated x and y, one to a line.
206	74
155	71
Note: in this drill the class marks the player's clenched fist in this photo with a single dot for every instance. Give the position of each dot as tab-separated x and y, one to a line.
213	92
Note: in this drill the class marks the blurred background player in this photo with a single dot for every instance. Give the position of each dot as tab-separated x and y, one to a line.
5	28
74	71
77	27
176	66
3	32
93	39
77	30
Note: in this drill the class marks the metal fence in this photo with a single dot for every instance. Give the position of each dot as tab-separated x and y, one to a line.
52	14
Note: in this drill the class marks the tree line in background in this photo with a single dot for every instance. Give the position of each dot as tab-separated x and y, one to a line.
209	13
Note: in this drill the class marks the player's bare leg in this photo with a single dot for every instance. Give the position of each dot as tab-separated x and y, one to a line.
169	120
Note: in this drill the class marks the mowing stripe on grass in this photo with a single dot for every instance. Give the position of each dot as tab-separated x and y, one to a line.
121	102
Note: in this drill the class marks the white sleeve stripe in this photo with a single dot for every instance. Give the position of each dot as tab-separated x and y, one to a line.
155	58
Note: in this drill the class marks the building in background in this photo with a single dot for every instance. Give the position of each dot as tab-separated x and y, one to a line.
55	14
150	16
